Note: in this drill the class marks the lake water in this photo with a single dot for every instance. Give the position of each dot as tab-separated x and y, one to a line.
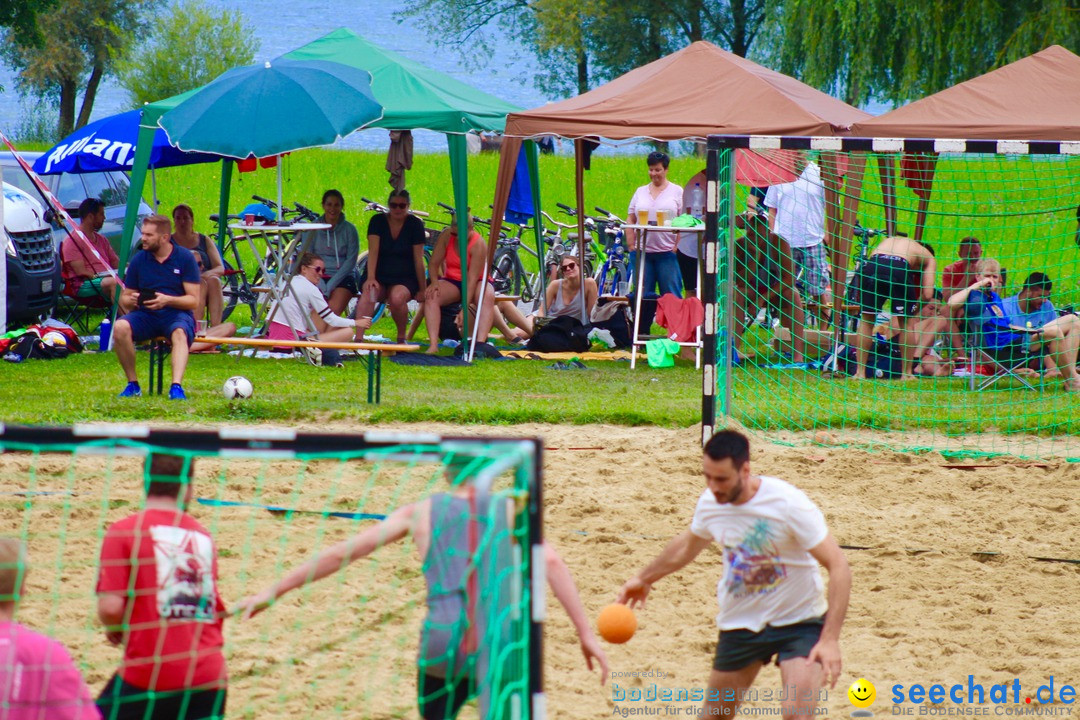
283	25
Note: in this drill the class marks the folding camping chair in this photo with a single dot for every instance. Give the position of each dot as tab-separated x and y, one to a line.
1005	362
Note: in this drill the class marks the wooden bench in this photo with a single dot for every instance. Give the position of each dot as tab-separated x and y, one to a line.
373	361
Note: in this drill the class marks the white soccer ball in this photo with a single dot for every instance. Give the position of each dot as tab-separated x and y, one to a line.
237	388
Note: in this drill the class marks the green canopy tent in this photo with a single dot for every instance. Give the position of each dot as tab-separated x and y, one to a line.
413	97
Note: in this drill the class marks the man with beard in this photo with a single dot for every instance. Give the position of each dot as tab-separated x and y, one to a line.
770	595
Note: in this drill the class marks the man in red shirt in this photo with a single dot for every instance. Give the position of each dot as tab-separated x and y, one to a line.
157	595
956	277
85	274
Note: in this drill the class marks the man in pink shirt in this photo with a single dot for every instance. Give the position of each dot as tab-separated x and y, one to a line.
954	278
86	260
38	680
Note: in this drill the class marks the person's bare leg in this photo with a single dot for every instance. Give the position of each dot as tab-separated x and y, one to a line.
223	330
108	288
339	300
907	349
365	307
124	346
339	335
729	687
955	336
179	355
514	316
399	309
862	345
447	294
805	678
215	300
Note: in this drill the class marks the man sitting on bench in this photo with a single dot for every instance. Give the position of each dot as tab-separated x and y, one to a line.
899	272
162	288
303	305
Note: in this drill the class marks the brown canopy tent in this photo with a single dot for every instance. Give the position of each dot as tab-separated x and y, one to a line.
1035	98
690	94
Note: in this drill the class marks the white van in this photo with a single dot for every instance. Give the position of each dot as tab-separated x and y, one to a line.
33	266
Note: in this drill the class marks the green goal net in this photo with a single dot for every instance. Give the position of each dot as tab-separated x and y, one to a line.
390	632
821	248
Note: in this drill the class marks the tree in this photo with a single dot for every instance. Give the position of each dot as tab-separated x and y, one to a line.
581	42
897	52
82	41
21	17
188	48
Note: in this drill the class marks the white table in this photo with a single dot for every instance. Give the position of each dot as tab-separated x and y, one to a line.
642	232
280	252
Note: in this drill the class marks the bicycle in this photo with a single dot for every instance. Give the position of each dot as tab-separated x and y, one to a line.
614	273
237	288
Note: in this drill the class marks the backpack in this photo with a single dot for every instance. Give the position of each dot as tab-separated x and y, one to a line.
561	334
30	347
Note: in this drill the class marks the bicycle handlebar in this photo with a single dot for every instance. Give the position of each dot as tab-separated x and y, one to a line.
566	209
265	201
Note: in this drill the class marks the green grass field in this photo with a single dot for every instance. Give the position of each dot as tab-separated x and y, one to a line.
1022	209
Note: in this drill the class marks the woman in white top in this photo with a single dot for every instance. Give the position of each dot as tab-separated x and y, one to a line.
303	307
661	265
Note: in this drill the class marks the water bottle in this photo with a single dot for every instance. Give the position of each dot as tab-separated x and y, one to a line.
696	201
105	336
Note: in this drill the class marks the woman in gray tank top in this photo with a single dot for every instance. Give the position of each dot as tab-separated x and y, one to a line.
563	295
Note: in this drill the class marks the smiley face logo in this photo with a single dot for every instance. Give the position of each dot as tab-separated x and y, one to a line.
862	693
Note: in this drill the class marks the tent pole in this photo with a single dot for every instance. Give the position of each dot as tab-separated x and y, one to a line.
153	187
460	180
532	157
135	191
281	208
223	202
579	193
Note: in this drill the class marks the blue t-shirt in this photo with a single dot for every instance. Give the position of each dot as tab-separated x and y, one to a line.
146	273
985	307
1017	317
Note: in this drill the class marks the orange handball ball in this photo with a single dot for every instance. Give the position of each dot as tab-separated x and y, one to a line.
617	623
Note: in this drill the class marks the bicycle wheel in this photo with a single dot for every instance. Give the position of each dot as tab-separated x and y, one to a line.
505	275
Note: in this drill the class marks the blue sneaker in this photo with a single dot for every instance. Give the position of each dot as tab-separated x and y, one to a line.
176	392
132	390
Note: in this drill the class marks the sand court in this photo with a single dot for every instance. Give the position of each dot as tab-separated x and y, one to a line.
945	580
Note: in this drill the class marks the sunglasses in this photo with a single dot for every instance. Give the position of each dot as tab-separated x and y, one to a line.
569	266
318	268
399	205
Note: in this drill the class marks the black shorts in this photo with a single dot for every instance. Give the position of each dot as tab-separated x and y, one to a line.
123	701
442	698
410	282
350	282
737	649
888	279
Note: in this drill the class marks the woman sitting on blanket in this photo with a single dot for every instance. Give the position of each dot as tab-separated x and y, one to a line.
304	314
562	297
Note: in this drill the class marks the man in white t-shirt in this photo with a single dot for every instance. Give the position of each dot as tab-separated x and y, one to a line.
797	214
303	308
771	593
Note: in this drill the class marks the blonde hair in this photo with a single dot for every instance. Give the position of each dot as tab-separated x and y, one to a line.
988	265
13	568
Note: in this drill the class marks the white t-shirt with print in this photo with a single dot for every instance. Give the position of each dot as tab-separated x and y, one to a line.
643	204
296	306
769	577
800	209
